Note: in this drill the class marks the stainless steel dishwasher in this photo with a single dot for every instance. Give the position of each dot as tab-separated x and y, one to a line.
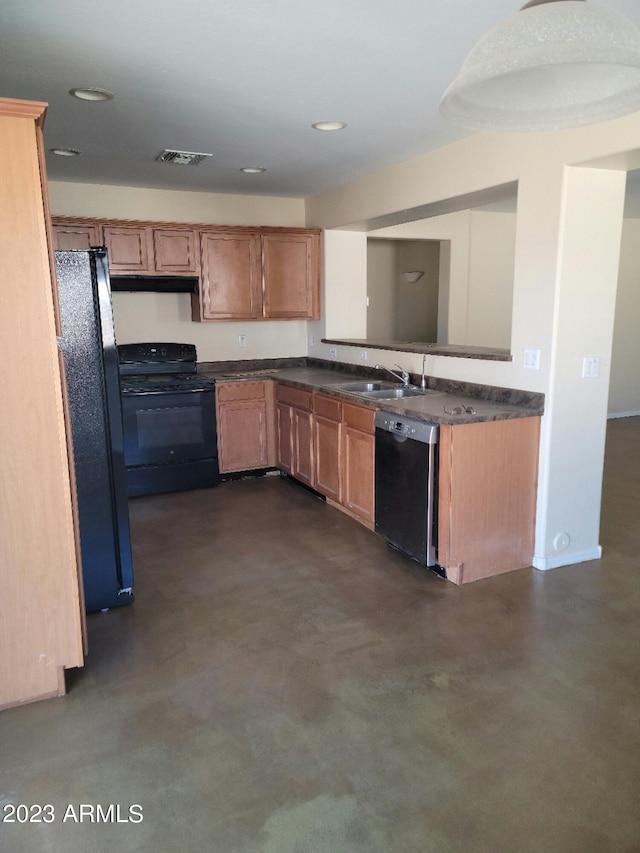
406	484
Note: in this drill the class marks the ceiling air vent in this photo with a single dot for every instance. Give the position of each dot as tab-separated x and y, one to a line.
182	158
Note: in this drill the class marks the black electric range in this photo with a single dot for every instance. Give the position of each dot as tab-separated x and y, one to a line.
169	419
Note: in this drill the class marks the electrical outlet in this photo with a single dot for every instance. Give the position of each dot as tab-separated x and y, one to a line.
531	359
312	340
242	340
333	352
362	355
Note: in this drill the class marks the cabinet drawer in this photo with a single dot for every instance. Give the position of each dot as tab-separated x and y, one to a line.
359	417
240	391
327	407
294	397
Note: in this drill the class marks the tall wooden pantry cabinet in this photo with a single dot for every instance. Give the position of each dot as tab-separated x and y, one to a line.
41	608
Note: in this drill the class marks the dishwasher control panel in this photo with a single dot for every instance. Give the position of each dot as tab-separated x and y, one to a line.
418	430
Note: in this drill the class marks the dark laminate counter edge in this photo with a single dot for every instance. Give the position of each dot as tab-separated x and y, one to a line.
489	403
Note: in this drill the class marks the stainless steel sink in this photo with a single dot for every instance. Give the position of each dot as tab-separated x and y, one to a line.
360	386
394	393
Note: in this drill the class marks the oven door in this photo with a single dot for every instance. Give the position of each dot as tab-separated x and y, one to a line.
169	428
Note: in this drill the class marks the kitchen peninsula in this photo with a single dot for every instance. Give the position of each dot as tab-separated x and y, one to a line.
308	425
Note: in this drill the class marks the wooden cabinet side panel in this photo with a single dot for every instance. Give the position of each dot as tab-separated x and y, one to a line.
493	485
444	500
230	286
40	622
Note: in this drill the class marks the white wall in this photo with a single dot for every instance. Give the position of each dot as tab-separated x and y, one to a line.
624	389
417	302
381	278
492	245
167	316
567	247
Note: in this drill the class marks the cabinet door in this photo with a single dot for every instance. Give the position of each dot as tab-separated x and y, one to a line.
303	446
175	251
284	447
242	435
230	283
328	446
291	275
76	236
359	461
130	249
328	443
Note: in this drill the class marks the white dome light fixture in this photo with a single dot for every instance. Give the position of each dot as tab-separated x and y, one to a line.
554	64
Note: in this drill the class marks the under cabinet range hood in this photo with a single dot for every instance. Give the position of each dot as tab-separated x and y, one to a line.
154	284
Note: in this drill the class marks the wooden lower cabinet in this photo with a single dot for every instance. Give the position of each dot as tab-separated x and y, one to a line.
358	462
245	425
487	497
302	435
295	432
328	446
284	446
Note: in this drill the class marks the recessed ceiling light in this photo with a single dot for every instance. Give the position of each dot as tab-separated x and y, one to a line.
252	170
65	152
329	125
91	94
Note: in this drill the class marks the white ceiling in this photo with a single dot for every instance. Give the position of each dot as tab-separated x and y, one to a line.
242	80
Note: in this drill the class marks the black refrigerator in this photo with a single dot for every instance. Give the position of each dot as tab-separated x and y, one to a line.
87	343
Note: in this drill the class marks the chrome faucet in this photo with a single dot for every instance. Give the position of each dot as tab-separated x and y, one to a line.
404	378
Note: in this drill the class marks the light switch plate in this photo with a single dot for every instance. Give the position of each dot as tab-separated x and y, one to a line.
590	367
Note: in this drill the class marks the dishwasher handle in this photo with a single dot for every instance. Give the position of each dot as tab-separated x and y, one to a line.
402	427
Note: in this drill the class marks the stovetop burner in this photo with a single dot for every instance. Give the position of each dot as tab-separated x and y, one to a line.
160	368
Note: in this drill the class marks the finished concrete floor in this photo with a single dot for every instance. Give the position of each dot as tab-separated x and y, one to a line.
286	683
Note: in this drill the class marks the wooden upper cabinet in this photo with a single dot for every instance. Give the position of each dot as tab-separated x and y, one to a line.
130	249
246	273
290	263
175	251
259	274
76	236
230	285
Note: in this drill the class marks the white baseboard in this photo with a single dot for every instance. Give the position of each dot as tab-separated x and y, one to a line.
546	563
613	415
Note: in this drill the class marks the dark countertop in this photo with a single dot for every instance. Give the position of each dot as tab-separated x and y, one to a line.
452	350
440	403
